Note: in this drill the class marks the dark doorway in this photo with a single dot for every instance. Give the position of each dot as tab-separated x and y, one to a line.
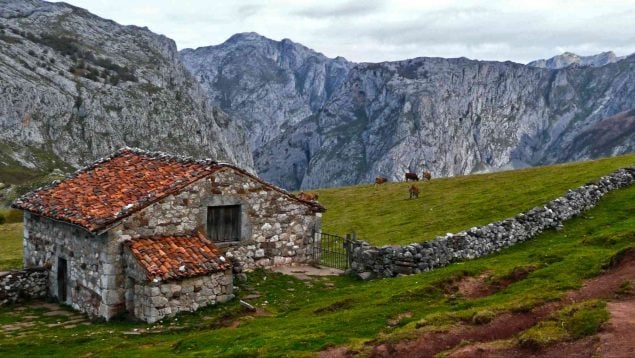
130	283
62	279
223	223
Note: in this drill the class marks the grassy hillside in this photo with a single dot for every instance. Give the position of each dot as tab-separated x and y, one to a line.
298	318
10	246
385	215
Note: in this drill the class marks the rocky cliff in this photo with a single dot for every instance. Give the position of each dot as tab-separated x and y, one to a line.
267	85
450	116
76	87
567	59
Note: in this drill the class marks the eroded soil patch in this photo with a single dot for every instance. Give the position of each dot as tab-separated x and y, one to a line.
472	287
616	339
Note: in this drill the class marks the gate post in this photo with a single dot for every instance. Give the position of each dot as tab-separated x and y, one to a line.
317	245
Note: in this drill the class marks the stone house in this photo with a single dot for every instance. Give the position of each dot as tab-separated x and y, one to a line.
153	234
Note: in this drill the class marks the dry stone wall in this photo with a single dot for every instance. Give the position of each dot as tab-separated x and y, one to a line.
18	286
369	261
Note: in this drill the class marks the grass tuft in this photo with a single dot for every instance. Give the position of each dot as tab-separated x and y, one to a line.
570	323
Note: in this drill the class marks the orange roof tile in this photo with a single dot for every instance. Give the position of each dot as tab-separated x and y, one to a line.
171	257
113	188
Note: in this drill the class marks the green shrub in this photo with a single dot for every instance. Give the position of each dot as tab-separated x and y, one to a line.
542	335
483	317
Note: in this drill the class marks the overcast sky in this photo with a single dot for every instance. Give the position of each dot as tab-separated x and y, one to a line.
382	30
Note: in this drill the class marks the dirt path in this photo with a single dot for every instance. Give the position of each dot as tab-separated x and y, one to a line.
617	339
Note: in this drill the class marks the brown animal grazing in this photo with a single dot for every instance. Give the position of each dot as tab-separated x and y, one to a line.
414	192
427	175
308	196
380	180
412	176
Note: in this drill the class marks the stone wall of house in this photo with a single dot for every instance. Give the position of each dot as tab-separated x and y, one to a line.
368	261
94	270
275	229
153	301
18	286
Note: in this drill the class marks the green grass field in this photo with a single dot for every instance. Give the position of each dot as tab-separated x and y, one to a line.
305	317
384	215
10	246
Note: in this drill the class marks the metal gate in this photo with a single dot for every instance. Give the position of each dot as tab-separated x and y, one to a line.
332	250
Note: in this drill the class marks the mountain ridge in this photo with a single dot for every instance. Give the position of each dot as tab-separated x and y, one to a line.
567	59
262	66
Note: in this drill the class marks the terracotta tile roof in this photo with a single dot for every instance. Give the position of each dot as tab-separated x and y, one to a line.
171	257
115	187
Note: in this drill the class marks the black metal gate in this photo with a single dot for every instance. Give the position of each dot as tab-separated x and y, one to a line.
332	250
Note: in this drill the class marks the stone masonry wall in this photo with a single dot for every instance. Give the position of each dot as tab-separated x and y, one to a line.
18	286
275	229
93	263
154	301
368	261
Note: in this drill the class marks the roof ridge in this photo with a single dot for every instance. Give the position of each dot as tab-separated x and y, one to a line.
164	155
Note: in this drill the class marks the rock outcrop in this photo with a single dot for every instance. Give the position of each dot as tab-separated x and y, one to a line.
75	87
268	85
567	59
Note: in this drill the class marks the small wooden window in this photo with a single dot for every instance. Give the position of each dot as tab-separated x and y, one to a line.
223	223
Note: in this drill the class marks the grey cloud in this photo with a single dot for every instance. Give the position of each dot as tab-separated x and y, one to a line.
476	27
350	8
379	30
249	10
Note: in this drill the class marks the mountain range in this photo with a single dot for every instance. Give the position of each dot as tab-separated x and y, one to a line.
319	122
75	87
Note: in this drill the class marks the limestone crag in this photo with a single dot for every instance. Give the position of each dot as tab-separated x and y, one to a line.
568	59
268	85
76	87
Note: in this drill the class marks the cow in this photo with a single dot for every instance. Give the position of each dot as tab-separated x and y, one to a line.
380	180
414	192
412	176
308	196
426	175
